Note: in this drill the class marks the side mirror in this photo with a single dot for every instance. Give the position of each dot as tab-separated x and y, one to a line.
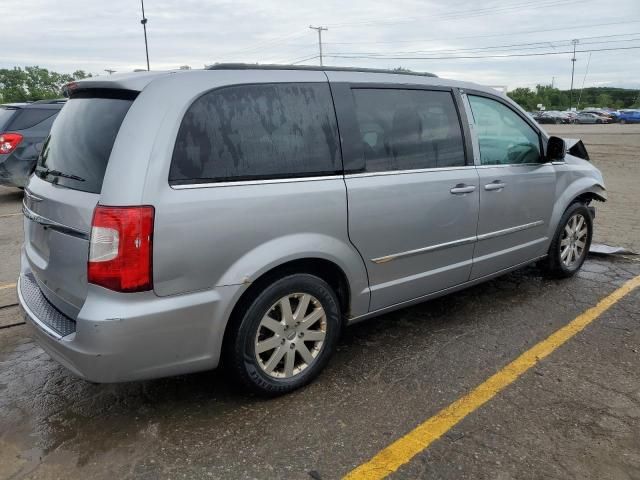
556	149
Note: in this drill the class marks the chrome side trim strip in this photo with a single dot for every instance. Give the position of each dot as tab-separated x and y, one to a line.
418	251
457	243
190	186
404	172
34	217
507	231
505	165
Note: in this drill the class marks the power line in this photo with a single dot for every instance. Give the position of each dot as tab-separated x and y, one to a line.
458	14
520	46
477	56
521	32
583	80
302	60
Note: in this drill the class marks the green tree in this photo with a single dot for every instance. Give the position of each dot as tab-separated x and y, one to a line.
34	83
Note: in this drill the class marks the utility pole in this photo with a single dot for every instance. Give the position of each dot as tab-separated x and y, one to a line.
319	29
553	82
109	71
144	26
573	67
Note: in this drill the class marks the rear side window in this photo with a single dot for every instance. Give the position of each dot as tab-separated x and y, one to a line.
30	117
77	150
408	129
257	132
6	114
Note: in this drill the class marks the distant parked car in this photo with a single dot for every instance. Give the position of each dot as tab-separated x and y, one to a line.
23	129
629	117
584	117
600	113
554	117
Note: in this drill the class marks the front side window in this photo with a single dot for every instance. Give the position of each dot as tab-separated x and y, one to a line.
504	137
257	132
408	129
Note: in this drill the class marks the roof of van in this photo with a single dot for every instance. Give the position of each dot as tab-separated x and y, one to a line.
138	80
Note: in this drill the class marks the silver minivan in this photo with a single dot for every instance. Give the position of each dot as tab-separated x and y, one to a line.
244	215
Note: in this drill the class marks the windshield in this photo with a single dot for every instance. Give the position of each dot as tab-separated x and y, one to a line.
5	116
77	150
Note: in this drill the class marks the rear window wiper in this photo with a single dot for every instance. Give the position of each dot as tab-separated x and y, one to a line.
58	173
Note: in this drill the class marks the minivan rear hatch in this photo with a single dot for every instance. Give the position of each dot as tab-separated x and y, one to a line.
64	190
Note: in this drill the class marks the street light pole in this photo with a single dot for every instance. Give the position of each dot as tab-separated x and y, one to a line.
573	67
144	26
319	29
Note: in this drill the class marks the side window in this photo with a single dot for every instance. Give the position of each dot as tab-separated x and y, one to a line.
408	129
504	137
257	132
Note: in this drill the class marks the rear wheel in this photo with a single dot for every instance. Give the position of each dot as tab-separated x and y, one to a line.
570	243
285	336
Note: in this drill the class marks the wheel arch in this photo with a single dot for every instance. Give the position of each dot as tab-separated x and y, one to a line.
323	268
583	190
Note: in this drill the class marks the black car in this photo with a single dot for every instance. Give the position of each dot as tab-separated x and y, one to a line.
553	117
23	129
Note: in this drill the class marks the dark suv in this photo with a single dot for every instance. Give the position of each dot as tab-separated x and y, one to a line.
23	129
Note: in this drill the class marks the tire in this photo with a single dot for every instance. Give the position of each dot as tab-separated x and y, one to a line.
558	121
558	263
264	373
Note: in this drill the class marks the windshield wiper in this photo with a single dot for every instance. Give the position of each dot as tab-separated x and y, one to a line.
58	173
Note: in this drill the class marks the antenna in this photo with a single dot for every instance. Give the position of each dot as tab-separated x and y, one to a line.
144	26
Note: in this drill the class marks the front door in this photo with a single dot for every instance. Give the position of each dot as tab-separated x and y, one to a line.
413	210
517	190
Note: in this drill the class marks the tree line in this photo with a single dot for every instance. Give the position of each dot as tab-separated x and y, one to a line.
34	83
555	99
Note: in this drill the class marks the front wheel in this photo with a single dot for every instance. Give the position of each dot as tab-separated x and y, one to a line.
570	243
285	336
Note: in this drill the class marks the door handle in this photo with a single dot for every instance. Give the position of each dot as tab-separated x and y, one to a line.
461	189
495	185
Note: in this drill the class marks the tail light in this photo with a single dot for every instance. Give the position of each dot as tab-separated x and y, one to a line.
9	142
121	249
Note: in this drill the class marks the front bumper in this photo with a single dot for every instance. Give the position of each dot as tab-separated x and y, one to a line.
124	337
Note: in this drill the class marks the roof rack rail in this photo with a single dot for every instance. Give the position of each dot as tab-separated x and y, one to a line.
258	66
50	101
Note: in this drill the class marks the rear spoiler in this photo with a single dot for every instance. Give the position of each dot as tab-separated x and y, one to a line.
134	81
576	148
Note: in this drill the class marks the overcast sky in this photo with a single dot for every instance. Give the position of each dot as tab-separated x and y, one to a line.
66	35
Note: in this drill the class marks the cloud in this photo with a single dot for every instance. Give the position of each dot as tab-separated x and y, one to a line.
67	35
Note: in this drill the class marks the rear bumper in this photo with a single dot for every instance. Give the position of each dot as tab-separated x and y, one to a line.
124	337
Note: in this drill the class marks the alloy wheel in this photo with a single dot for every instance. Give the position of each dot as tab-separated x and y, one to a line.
574	240
290	335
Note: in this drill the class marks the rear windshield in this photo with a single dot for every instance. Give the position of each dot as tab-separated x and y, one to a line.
77	150
30	117
5	116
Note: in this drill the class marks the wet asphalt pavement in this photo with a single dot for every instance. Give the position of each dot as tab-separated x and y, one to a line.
575	415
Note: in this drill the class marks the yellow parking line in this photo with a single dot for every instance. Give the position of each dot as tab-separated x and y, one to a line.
404	449
8	285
